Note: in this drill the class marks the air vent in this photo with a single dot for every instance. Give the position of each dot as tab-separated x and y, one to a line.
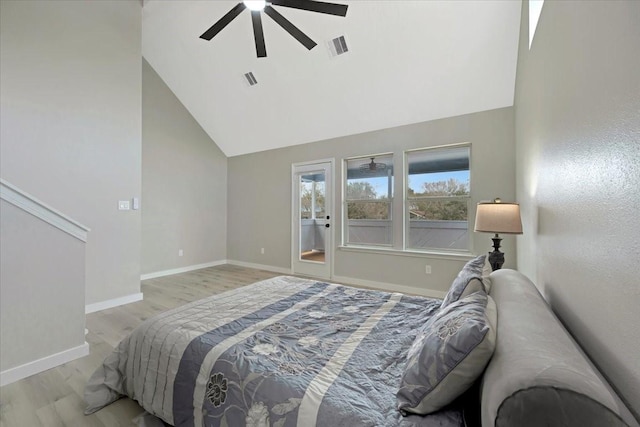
338	46
250	79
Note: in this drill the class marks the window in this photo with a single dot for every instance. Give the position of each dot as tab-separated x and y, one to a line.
368	200
437	198
312	197
535	9
437	194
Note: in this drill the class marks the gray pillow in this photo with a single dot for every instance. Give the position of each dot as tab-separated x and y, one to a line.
448	355
486	271
468	281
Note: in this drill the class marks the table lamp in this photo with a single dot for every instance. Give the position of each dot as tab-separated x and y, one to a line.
498	217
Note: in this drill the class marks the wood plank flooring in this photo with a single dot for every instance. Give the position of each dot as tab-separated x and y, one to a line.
312	256
54	398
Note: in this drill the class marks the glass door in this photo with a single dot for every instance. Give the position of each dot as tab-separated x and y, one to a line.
312	234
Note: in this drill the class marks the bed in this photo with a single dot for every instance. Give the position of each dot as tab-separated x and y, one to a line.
293	352
281	352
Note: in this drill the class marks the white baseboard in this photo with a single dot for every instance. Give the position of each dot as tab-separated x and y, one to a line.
103	305
390	287
23	371
280	270
182	269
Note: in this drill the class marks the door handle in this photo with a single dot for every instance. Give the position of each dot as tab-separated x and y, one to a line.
327	225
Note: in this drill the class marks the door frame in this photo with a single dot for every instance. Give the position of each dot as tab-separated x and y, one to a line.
329	210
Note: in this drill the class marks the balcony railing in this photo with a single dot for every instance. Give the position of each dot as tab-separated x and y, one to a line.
452	235
422	234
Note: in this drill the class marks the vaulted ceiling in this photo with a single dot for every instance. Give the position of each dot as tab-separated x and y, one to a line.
408	62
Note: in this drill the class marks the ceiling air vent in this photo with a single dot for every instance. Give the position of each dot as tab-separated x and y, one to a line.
250	79
338	46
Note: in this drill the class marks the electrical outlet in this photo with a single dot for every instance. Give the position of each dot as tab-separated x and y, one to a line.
180	252
123	205
427	269
262	251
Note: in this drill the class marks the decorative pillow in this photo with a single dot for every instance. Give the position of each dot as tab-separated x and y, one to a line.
486	271
468	281
448	355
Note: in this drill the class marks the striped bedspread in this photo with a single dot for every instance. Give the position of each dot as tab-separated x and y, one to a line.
282	352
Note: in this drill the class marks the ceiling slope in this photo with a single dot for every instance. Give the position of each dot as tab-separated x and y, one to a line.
408	62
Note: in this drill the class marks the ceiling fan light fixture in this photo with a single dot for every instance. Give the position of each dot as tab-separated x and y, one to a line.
255	4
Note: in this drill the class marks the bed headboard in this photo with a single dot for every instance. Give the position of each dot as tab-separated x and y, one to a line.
538	374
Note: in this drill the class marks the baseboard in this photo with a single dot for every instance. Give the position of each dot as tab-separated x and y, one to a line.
23	371
182	269
390	287
103	305
280	270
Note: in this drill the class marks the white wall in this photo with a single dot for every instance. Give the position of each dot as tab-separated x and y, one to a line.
41	309
259	196
70	124
184	183
578	166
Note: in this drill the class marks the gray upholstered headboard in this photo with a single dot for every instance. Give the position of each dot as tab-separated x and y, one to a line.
538	375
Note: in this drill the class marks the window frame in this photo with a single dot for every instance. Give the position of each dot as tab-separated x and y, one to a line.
344	205
399	208
406	201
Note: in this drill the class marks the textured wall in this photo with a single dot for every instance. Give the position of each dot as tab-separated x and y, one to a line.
70	119
184	183
259	196
578	167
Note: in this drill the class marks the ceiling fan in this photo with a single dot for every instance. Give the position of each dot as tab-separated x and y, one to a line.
373	167
258	6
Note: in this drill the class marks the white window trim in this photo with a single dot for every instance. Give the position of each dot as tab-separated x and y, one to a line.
432	254
406	222
344	212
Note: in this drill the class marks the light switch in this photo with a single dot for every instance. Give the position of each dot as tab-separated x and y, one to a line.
123	205
135	205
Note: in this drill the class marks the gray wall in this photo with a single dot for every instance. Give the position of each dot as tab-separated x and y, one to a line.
41	309
259	196
578	162
70	124
184	183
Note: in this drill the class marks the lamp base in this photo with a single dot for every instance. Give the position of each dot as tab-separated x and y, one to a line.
496	258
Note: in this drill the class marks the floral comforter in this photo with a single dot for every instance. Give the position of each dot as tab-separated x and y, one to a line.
282	352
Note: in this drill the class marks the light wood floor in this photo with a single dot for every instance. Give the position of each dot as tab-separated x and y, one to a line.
54	397
313	256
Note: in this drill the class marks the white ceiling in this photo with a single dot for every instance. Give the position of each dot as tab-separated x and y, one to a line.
409	62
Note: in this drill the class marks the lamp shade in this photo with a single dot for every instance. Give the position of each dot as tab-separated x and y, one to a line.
498	217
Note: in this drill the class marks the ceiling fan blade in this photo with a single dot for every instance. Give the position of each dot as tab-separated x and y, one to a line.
223	22
258	34
314	6
290	28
